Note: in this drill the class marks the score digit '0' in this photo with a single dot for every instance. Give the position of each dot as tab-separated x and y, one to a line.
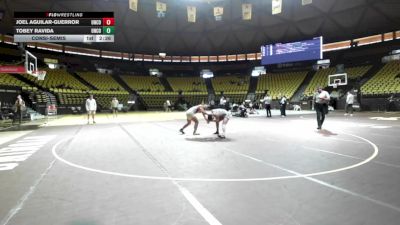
108	21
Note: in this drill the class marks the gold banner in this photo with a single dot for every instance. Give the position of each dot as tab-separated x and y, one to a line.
133	5
276	6
218	11
246	11
191	13
161	7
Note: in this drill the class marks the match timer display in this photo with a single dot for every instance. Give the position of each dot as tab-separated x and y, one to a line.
64	27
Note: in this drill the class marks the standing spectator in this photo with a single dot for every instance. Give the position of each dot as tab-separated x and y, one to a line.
91	107
349	103
165	106
19	107
267	101
212	103
114	106
391	103
283	103
222	102
321	99
169	106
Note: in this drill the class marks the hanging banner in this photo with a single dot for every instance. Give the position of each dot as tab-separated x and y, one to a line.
161	9
48	60
218	12
276	6
246	11
12	69
133	5
306	2
191	13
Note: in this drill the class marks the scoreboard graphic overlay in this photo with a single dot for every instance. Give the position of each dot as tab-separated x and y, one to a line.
64	27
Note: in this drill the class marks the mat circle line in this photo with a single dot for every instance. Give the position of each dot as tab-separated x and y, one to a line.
371	157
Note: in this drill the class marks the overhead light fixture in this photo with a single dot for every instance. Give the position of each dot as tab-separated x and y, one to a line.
206	73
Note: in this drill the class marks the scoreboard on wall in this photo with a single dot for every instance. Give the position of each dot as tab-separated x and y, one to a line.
64	27
292	52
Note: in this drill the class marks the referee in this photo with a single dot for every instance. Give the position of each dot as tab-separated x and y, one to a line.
321	99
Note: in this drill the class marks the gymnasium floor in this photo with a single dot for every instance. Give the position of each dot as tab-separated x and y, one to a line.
137	169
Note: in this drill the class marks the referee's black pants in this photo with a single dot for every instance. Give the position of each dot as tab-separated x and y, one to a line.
268	109
321	111
17	114
283	109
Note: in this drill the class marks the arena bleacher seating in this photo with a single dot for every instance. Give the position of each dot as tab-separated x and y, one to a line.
107	89
231	84
385	81
187	84
235	88
58	78
279	84
143	83
101	81
320	79
155	100
78	97
357	72
193	91
154	95
71	90
9	80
